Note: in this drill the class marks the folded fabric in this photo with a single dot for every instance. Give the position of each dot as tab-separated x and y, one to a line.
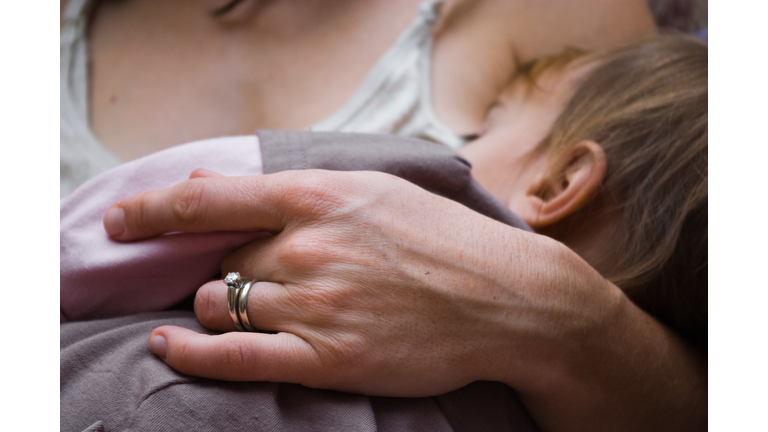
103	278
109	378
111	381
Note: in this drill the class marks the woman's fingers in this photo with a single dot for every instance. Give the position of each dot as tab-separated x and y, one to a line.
268	307
211	306
210	204
271	307
195	205
280	357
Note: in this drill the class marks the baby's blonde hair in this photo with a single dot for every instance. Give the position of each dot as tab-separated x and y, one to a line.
646	105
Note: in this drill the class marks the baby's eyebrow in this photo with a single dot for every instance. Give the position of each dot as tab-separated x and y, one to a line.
470	137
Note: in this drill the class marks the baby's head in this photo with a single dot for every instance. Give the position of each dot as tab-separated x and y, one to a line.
607	153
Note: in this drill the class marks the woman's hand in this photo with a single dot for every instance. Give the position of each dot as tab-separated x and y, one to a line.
375	286
379	287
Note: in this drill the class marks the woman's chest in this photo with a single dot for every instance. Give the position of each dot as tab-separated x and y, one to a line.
164	73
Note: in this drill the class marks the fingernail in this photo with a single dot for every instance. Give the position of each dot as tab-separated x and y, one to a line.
158	345
202	172
114	221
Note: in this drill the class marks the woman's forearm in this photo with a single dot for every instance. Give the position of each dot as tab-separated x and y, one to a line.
381	288
614	367
643	377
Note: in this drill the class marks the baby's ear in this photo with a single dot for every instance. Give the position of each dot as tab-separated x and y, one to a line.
566	186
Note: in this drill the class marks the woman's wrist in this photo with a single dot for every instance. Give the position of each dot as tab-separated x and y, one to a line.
579	353
551	306
658	384
603	363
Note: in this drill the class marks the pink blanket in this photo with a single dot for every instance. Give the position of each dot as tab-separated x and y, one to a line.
102	278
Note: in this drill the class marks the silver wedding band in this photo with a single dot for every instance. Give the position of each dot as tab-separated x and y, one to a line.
237	298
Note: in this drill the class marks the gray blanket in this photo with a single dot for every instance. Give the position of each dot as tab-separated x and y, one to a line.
110	381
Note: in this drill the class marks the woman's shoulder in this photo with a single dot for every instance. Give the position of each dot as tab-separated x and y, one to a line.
480	44
535	29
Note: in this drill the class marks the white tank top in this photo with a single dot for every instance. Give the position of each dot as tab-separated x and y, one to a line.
394	98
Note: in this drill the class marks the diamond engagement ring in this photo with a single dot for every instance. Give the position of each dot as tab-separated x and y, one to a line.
237	296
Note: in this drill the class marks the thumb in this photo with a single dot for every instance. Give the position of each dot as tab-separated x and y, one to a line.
236	356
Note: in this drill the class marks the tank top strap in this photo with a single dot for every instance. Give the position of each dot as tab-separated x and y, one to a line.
74	55
81	154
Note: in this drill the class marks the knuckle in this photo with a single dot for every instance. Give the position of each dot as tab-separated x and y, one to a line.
236	357
316	191
204	307
141	213
182	355
324	306
187	204
307	249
